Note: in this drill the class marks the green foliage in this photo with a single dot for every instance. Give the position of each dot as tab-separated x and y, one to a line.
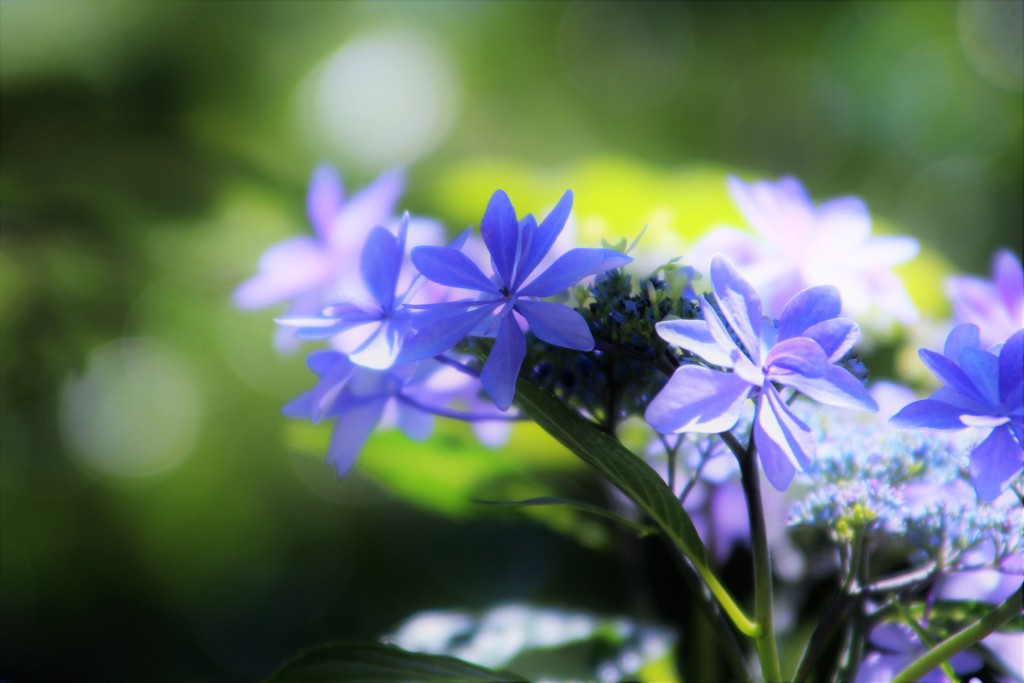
372	662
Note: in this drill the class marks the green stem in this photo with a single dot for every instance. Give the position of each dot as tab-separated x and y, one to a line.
767	649
910	621
962	640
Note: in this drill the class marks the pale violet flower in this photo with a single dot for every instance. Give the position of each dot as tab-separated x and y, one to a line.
800	354
996	306
798	245
983	390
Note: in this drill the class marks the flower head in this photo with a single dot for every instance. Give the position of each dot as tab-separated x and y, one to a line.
984	390
799	245
800	354
996	306
517	248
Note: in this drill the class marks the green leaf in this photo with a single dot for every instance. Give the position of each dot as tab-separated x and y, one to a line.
367	662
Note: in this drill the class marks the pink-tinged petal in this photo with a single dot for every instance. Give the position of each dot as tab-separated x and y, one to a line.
780	212
557	324
1009	280
502	365
835	337
809	307
451	268
929	414
739	304
695	337
963	336
351	431
286	270
543	237
1011	371
324	199
571	267
982	369
443	333
950	374
698	399
846	220
373	206
500	231
996	462
797	357
835	387
884	252
785	444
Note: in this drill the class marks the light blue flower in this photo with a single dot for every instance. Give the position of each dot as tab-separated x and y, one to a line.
800	354
516	249
985	390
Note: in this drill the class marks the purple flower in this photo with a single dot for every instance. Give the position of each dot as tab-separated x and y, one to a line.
895	647
996	306
982	389
799	245
358	399
800	354
306	271
516	249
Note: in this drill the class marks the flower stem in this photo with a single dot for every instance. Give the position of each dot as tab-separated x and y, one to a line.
963	639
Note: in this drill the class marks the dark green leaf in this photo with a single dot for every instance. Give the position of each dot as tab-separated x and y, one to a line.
373	662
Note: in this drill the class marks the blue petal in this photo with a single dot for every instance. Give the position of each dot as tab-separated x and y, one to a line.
698	399
441	334
835	387
835	336
324	199
799	357
502	366
543	237
321	362
350	433
786	444
695	337
500	231
300	407
329	388
451	268
379	265
995	462
809	307
557	324
571	267
929	414
740	305
982	368
961	337
950	375
1011	371
381	350
370	207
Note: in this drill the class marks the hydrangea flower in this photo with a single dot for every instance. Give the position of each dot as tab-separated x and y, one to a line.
516	249
983	389
799	245
800	354
996	306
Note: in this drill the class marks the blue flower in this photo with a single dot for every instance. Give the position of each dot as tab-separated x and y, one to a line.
983	389
517	249
800	354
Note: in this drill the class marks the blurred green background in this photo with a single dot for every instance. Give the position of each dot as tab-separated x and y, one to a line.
159	519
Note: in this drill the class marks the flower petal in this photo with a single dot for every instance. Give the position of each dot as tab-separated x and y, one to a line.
571	267
835	387
695	336
835	337
500	231
285	271
1009	280
442	333
961	337
543	237
995	462
379	266
369	208
929	414
698	399
557	324
381	350
809	307
351	431
502	365
950	374
324	199
452	268
785	444
739	303
1011	371
799	357
982	368
321	362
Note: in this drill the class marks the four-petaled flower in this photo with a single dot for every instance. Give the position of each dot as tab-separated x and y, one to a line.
800	354
983	389
517	249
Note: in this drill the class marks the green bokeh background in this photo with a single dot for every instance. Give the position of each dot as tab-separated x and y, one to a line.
151	151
